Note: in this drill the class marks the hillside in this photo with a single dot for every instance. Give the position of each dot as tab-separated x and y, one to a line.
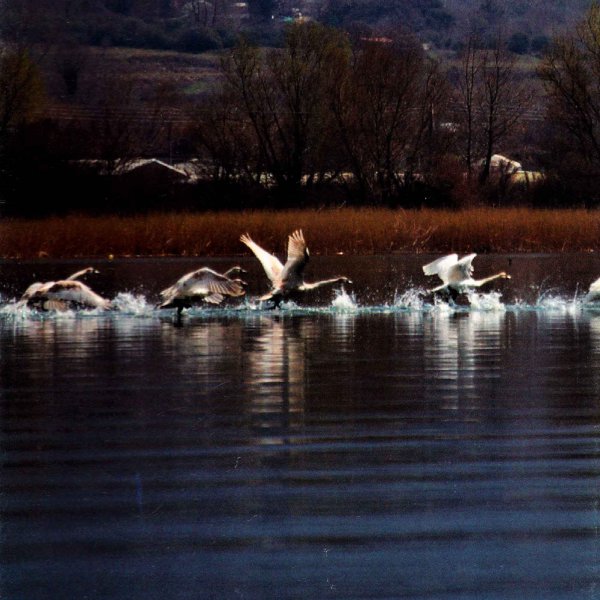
199	25
446	23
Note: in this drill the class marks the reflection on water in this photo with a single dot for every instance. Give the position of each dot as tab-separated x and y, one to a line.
347	452
461	356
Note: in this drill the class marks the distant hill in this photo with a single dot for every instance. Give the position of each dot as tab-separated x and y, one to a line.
199	25
445	23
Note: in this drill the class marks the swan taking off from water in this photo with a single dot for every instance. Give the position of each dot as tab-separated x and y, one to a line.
287	280
457	274
63	294
202	285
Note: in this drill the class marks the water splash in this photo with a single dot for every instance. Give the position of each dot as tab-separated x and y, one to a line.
411	299
486	302
441	307
15	311
557	303
344	301
133	304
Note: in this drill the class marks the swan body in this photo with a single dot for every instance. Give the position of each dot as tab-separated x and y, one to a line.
287	280
63	294
203	285
36	287
457	274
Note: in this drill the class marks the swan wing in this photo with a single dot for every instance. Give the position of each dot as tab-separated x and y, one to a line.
34	289
188	281
441	266
594	287
297	255
465	264
75	292
219	285
57	305
593	293
203	282
271	264
182	286
214	298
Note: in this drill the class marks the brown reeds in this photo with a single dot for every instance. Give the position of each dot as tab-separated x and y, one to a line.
347	230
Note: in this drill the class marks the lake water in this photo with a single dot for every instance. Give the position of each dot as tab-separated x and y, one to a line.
369	444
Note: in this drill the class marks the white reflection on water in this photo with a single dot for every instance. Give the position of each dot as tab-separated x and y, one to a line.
274	372
455	346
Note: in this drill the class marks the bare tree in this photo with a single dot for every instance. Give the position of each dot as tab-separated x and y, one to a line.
226	141
282	96
502	100
491	98
385	106
466	91
571	74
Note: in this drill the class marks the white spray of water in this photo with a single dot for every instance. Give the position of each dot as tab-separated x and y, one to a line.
411	299
486	302
133	304
344	301
560	304
441	307
15	311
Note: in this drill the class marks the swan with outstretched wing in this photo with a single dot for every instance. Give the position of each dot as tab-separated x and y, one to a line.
203	285
63	294
287	279
457	274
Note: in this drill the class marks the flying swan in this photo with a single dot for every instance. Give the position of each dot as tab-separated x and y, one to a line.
202	285
63	294
457	274
287	280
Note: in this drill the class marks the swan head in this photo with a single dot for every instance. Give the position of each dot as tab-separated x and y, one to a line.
504	275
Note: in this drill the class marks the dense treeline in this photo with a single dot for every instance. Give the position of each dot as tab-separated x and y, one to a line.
331	117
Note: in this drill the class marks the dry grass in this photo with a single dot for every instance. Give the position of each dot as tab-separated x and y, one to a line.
351	231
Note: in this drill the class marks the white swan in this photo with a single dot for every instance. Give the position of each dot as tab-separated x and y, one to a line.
287	280
457	274
39	285
63	294
202	285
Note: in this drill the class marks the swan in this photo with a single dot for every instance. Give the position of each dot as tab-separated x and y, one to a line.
287	280
38	285
202	285
63	294
457	274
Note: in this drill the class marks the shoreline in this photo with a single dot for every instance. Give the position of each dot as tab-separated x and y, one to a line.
352	231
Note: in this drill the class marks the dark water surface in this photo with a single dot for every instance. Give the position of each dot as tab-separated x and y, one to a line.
373	446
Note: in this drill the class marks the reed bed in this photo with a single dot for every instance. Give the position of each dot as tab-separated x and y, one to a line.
346	230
